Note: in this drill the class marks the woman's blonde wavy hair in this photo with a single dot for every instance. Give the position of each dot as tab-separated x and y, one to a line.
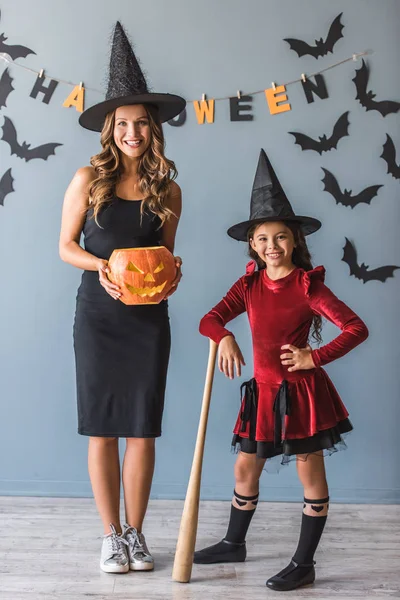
155	171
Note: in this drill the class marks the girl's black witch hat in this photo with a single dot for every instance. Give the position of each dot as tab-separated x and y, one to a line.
269	203
127	85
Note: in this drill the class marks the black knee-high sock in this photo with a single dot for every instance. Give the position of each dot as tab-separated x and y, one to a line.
240	517
311	531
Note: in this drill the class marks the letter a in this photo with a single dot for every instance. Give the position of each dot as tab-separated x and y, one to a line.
76	98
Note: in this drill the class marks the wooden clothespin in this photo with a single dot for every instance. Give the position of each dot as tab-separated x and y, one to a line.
41	73
203	97
80	85
303	77
238	94
273	85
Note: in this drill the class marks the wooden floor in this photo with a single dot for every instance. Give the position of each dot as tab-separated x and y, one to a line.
50	547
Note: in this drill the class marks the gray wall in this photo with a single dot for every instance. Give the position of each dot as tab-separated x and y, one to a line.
193	48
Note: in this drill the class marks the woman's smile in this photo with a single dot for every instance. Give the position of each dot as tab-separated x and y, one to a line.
133	143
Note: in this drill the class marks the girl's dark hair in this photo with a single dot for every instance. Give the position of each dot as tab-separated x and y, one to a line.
301	257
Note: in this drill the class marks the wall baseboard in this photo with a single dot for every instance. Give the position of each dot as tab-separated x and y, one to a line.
170	491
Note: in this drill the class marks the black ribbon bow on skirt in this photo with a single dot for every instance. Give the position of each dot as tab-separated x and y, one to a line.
281	408
249	411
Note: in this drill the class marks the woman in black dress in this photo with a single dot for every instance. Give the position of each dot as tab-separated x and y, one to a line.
126	199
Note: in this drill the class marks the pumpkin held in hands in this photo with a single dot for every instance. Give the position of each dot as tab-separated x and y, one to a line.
144	275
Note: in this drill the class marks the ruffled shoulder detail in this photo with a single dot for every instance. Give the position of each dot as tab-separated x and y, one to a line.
251	268
317	274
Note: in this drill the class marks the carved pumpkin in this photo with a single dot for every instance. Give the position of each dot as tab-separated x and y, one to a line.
144	275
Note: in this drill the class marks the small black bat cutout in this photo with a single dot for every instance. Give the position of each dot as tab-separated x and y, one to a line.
385	107
5	87
6	185
324	144
13	51
321	48
331	185
362	271
24	150
389	155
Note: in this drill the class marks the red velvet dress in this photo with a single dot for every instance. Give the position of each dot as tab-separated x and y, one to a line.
286	412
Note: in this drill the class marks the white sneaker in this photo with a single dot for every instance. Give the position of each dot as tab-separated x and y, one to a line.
139	556
114	555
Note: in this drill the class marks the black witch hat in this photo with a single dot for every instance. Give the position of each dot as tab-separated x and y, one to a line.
269	203
127	85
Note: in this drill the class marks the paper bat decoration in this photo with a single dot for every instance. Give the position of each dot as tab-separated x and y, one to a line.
362	271
324	144
6	185
385	107
321	48
345	197
389	155
14	51
24	150
5	87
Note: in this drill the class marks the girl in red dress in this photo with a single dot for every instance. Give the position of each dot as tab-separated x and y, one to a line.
290	407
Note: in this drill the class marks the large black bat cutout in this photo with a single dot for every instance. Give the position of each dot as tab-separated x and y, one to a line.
361	271
331	185
23	150
321	48
324	144
14	51
389	155
385	107
6	185
5	87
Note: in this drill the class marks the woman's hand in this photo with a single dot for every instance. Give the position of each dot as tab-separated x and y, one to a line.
111	288
229	355
299	359
178	277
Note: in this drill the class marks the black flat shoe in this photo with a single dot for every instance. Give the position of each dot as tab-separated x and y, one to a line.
223	552
292	577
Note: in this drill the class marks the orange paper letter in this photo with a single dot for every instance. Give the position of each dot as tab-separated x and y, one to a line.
76	98
273	101
205	108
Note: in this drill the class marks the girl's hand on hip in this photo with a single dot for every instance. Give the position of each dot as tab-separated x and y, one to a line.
178	277
299	359
229	356
111	288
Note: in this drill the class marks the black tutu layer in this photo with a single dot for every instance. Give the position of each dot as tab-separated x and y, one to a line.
324	442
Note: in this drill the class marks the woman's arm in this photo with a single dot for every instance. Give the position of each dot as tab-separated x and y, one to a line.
76	201
354	331
73	217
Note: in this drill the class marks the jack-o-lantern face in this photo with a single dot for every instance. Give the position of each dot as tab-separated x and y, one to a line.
151	288
143	274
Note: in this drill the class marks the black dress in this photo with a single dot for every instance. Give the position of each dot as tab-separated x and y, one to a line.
121	351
